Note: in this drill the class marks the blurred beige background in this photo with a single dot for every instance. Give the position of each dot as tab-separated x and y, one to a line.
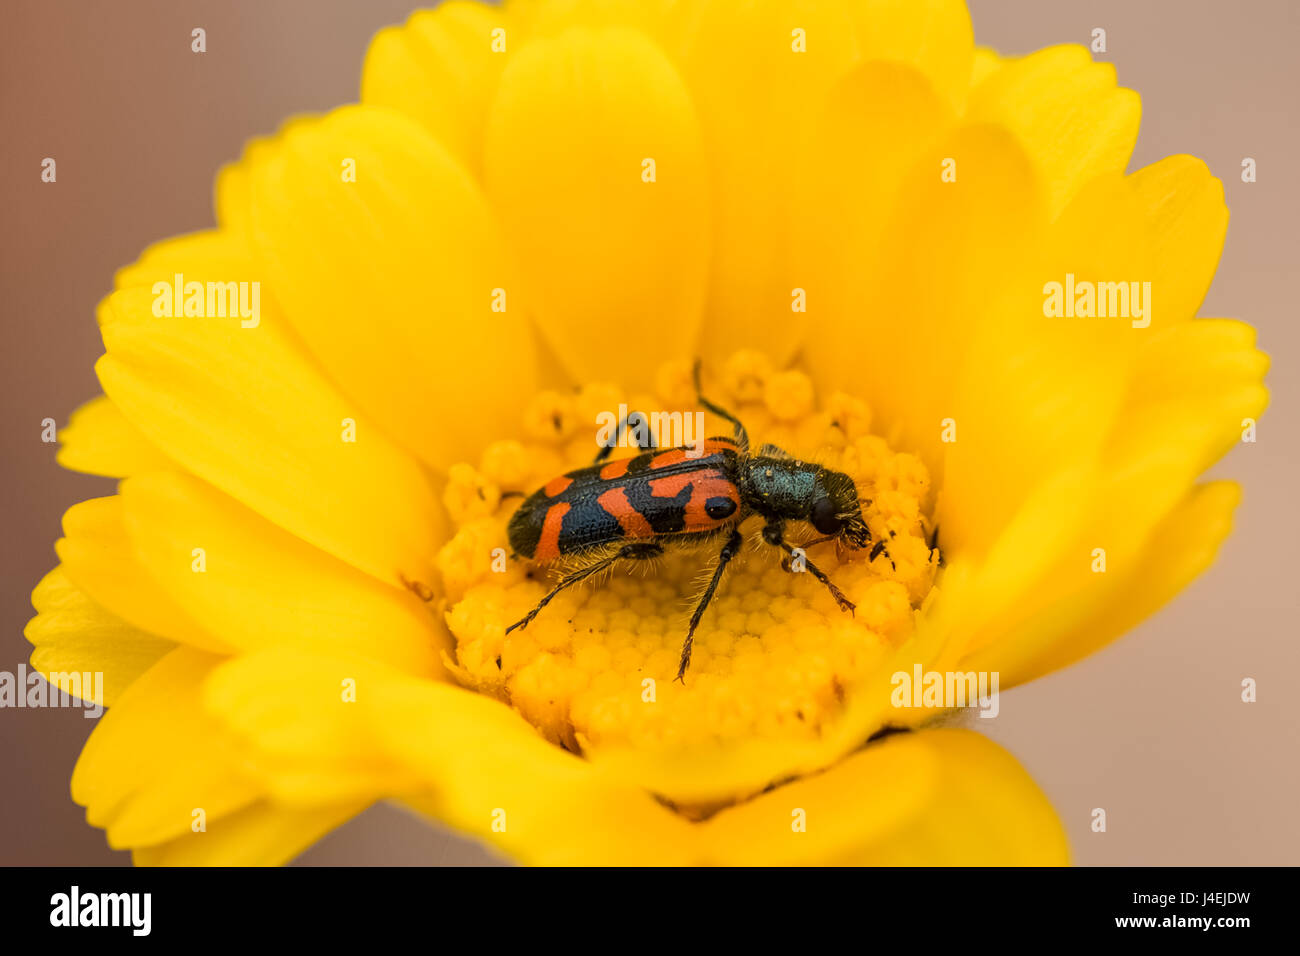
1152	729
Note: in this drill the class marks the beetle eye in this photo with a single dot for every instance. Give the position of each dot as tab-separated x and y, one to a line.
824	517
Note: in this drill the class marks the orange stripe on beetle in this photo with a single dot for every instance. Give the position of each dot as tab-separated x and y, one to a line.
675	456
670	457
615	469
548	545
672	486
557	485
616	505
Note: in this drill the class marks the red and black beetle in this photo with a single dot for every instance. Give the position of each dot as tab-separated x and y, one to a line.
635	508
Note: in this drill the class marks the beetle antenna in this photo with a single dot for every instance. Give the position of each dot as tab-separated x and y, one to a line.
742	436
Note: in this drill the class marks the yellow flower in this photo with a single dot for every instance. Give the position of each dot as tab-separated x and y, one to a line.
539	212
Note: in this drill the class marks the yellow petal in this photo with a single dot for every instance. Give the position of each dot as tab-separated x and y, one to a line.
261	585
232	197
1060	381
306	722
903	302
99	440
761	74
155	758
245	410
612	267
1205	366
397	282
74	635
1178	550
985	63
854	196
549	18
937	797
493	777
99	558
1187	222
933	798
440	69
847	206
262	834
932	36
755	96
1067	111
467	759
1064	382
1192	387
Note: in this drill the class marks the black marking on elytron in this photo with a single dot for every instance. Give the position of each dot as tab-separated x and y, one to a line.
581	478
525	527
665	515
720	508
586	525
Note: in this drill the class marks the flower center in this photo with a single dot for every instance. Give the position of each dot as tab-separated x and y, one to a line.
773	652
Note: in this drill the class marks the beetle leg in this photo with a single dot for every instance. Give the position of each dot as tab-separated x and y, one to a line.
618	436
729	551
774	534
639	551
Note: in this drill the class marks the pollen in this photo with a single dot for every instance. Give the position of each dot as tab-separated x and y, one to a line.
773	652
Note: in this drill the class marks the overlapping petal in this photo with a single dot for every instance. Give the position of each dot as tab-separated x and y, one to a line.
261	834
259	585
100	559
246	410
947	797
1193	388
191	797
74	635
420	324
191	771
441	69
760	74
882	298
1069	113
99	440
942	797
594	163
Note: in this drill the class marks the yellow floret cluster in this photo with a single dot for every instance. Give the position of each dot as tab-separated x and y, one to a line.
773	654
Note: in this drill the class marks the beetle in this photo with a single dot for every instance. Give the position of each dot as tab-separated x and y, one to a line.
634	509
